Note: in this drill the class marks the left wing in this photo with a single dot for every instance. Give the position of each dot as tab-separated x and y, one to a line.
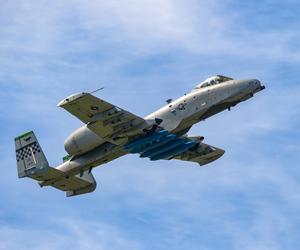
108	121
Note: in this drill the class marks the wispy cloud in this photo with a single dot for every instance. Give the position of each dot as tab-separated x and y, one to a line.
153	50
143	27
65	233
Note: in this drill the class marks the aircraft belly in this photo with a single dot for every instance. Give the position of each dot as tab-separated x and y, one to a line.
187	123
223	105
203	114
215	109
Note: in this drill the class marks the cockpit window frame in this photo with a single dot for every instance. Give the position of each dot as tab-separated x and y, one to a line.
213	81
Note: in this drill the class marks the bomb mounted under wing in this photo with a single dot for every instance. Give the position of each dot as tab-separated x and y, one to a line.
111	132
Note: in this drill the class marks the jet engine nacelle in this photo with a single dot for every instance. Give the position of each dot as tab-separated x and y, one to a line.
81	141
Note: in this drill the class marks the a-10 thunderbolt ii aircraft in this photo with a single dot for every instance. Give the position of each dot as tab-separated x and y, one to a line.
111	132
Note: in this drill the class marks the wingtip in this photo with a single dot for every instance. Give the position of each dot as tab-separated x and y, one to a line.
70	98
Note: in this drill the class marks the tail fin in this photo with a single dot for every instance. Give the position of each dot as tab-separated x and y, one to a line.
30	157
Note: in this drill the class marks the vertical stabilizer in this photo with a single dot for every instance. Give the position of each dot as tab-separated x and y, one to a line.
30	157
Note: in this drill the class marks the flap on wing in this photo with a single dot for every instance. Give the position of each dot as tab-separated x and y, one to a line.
106	120
203	155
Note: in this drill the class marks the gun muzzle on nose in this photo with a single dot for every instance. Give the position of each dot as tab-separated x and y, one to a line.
258	85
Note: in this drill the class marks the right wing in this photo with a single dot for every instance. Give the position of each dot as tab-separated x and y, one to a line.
106	120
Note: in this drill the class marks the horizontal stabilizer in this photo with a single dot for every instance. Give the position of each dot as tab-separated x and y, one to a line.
75	185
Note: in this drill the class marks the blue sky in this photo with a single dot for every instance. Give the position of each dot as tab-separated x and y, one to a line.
145	52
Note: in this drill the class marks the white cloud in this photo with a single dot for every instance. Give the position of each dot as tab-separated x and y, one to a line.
144	27
65	233
198	26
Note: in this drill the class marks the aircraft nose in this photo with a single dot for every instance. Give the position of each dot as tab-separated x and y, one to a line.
254	82
255	85
257	82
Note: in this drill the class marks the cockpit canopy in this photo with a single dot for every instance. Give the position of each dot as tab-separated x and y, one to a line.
212	81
